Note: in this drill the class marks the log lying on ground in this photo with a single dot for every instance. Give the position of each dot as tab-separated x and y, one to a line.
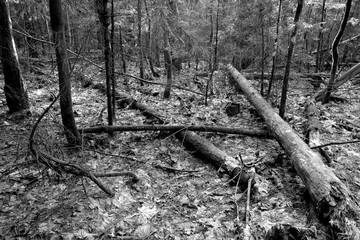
248	131
199	146
335	206
124	100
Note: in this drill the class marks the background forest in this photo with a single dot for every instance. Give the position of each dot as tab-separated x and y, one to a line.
180	119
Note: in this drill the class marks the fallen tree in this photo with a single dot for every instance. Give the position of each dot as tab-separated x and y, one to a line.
352	72
249	131
199	146
335	206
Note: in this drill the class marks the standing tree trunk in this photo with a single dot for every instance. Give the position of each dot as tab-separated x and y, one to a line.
261	13
318	66
335	55
276	47
57	25
141	63
213	59
168	63
112	65
102	9
149	45
122	54
288	61
15	92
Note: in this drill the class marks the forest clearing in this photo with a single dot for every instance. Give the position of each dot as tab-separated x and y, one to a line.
176	119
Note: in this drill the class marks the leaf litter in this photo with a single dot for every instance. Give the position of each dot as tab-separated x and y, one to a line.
42	203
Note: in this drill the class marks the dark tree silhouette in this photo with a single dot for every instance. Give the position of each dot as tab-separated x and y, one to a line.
57	25
15	92
289	56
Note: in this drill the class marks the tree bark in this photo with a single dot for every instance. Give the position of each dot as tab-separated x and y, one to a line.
335	55
103	14
122	54
319	96
141	61
334	203
67	113
250	131
318	66
288	60
15	91
168	63
199	146
149	45
276	47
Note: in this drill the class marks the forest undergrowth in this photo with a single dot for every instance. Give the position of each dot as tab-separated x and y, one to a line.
178	196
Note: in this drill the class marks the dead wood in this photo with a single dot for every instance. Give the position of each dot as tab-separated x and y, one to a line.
335	205
123	100
352	72
312	131
66	166
200	147
248	131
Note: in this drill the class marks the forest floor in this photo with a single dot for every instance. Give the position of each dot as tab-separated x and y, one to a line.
196	202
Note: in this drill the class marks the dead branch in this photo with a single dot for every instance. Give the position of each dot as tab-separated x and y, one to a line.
249	131
335	143
58	164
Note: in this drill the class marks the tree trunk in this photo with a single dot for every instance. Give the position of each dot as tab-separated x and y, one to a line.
288	60
15	92
318	66
149	45
199	146
247	131
335	205
168	64
141	62
122	54
335	55
112	54
102	10
276	47
261	13
319	96
67	114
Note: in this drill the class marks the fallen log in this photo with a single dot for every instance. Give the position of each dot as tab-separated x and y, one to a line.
199	146
335	206
123	100
205	150
248	131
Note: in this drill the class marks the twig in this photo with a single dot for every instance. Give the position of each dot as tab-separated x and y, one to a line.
114	155
334	143
174	169
31	137
77	170
247	233
250	131
118	174
44	157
